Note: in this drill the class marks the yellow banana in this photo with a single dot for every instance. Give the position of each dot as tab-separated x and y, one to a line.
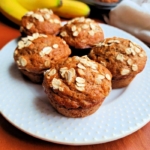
34	4
71	9
12	10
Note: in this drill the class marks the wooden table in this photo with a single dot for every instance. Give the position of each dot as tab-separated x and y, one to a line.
13	139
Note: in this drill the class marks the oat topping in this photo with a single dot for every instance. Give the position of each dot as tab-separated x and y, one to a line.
108	77
80	84
46	16
29	13
82	19
80	88
125	71
47	63
134	67
29	25
75	33
73	28
51	20
120	57
50	72
100	77
44	10
129	61
91	32
31	38
22	61
70	74
128	51
20	44
98	45
133	52
56	84
80	80
28	43
92	26
45	50
137	50
79	65
141	55
113	41
85	26
80	72
57	21
55	46
38	17
63	34
63	71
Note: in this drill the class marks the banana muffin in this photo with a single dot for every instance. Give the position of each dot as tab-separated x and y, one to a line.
40	21
82	33
124	58
39	52
77	87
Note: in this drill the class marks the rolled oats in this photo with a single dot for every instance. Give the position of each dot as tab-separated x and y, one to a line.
55	46
125	71
29	25
22	61
75	33
134	67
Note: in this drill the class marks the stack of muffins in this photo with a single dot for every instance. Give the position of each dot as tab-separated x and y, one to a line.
75	64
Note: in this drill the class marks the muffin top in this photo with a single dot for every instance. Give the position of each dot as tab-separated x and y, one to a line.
39	52
40	21
79	82
121	56
82	33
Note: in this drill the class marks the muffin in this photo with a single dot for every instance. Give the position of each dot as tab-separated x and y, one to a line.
40	21
124	58
37	53
77	87
82	33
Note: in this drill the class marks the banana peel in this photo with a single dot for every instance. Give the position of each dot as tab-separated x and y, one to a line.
71	9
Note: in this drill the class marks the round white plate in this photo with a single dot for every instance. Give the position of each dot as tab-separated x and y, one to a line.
26	106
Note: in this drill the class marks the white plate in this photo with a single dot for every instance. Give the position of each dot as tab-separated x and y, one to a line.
25	105
101	5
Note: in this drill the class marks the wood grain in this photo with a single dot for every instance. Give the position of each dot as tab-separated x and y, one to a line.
13	139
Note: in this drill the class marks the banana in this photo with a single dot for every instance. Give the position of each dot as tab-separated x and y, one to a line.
34	4
15	9
12	10
71	9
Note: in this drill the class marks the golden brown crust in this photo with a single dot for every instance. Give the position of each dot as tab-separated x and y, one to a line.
39	52
82	33
124	58
74	112
40	21
78	84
